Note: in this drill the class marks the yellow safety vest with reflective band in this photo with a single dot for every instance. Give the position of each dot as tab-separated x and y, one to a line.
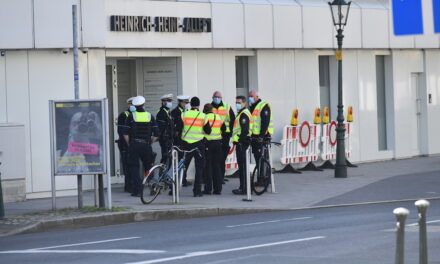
215	122
141	117
237	125
256	128
193	122
223	112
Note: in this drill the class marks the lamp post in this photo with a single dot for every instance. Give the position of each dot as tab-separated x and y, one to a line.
339	10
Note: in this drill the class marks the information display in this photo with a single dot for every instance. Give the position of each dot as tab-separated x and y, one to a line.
78	137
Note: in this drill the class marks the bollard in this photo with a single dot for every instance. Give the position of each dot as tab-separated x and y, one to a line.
248	177
401	214
2	206
422	206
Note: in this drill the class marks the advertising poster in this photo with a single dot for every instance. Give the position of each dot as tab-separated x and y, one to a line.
78	137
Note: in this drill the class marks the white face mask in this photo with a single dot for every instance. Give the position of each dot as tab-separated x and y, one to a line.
187	106
169	105
238	106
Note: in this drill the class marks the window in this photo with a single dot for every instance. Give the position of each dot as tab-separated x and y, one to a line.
324	82
381	103
242	75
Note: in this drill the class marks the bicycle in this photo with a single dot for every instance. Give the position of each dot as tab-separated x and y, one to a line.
261	176
160	176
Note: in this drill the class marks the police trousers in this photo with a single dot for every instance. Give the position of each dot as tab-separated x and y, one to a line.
241	149
143	152
213	172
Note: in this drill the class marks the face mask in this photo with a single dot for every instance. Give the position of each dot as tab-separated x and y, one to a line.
187	107
132	108
238	106
251	100
216	100
169	105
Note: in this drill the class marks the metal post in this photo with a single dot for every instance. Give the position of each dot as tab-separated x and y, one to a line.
80	195
248	177
422	206
176	178
272	178
75	50
2	206
52	158
95	187
341	166
401	214
101	191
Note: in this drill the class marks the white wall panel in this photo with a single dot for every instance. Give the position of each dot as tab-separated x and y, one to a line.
432	64
306	83
428	39
189	72
93	23
405	62
50	78
96	73
3	93
317	27
17	91
375	33
53	23
229	90
156	39
351	97
227	25
287	26
258	26
16	24
209	74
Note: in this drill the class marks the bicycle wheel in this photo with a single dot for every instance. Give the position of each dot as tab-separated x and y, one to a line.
151	185
261	177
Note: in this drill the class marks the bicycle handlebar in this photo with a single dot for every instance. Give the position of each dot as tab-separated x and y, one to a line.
185	151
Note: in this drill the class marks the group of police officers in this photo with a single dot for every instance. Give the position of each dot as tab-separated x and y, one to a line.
208	130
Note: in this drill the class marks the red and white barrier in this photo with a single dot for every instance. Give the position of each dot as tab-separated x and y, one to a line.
231	160
300	144
329	140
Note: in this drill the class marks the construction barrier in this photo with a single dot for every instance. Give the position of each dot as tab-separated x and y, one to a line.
329	140
231	160
300	144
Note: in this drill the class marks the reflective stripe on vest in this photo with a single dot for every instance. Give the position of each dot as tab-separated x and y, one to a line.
237	125
141	117
194	133
223	112
215	122
126	113
256	128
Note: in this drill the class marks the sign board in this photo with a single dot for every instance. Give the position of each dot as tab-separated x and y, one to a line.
436	14
78	137
407	17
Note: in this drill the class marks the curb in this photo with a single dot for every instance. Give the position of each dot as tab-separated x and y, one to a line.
169	214
130	217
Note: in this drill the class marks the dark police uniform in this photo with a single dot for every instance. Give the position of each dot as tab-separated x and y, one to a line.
140	126
241	132
265	115
226	134
166	128
123	150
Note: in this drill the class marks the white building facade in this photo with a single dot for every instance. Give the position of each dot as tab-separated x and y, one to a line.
285	49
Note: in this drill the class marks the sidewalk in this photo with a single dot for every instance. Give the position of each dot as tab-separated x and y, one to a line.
371	182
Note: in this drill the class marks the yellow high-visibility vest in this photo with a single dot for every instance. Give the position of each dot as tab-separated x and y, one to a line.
223	112
193	122
215	122
256	128
236	132
141	117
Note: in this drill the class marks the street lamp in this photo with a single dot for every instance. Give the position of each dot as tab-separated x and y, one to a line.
339	10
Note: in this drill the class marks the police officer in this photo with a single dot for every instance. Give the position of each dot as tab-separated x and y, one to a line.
176	115
240	137
214	155
165	124
262	123
192	126
141	130
122	145
226	112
